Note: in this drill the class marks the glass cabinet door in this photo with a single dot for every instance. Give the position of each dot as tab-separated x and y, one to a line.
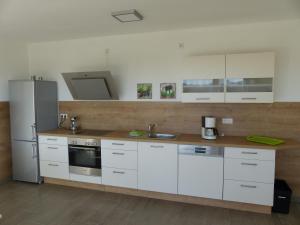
203	86
249	85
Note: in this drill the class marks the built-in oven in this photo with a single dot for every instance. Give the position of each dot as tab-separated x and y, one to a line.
85	156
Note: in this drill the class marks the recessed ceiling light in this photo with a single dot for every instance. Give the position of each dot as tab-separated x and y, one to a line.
127	16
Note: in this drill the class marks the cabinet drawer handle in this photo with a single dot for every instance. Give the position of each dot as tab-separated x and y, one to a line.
51	164
118	153
118	172
245	98
248	186
52	147
117	143
156	146
204	98
249	164
250	153
51	139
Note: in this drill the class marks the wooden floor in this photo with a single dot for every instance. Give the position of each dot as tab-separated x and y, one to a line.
30	204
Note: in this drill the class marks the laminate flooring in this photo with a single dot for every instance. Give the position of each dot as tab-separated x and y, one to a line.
31	204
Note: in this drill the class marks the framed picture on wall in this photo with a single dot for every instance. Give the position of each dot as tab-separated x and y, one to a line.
167	90
144	91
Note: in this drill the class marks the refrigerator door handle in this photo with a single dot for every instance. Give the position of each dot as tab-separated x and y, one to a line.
33	130
34	151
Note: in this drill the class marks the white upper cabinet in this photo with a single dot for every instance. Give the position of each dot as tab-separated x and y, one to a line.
204	67
250	65
249	77
203	79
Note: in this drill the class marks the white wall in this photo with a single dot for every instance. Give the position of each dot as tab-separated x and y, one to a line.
156	57
13	64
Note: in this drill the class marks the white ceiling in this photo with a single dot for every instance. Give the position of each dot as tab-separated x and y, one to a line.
44	20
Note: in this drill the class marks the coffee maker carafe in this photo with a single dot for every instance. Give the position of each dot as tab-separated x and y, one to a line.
74	124
209	130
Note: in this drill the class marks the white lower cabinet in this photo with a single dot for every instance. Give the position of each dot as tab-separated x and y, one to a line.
54	169
54	158
249	175
249	192
119	163
157	167
200	176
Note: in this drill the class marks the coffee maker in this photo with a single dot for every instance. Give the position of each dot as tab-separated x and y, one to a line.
209	130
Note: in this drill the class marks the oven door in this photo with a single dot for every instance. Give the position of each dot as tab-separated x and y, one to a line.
85	160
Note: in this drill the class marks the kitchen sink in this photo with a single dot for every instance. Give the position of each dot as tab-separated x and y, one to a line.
162	136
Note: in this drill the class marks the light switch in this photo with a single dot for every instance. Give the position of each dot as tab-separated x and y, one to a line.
227	121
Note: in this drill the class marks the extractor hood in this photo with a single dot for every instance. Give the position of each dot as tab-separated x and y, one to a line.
96	85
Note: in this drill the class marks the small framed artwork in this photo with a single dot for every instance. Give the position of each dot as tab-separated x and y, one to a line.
167	90
144	91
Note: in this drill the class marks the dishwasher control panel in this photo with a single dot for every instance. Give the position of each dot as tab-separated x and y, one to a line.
201	150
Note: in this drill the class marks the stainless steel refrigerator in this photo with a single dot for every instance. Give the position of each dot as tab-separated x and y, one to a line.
33	108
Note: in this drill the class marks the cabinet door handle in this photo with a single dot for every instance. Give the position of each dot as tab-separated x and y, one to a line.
281	197
118	153
118	172
51	164
204	98
249	164
52	147
156	146
117	143
34	152
248	186
33	130
245	98
250	153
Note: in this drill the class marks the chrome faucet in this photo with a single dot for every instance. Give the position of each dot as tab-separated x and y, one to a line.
151	129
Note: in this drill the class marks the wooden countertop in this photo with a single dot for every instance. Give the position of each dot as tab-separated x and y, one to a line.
227	141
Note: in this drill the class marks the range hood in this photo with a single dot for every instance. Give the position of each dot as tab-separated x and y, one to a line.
96	85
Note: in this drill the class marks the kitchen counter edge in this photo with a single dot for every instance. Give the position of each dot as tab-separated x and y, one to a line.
226	141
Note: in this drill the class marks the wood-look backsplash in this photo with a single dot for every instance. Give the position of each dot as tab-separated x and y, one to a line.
5	149
278	120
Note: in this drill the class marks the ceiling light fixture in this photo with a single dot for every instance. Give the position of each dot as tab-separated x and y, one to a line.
127	16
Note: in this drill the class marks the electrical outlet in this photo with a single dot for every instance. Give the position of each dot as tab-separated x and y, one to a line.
63	115
227	121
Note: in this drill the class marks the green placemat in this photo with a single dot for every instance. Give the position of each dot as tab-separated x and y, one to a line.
137	133
265	140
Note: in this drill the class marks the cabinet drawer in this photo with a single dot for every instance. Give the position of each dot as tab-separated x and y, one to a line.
248	192
203	97
249	153
250	97
53	140
119	158
86	179
57	153
117	144
119	177
54	169
249	170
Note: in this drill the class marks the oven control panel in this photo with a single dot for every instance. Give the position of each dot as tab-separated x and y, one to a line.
83	142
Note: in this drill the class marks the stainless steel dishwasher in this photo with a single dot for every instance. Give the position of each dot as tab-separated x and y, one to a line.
201	171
